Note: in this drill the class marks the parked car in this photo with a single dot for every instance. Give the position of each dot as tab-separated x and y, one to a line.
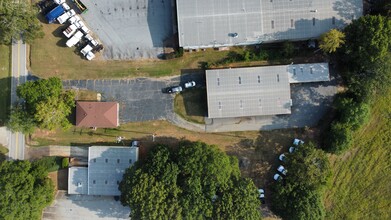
297	142
282	157
175	89
277	177
262	195
190	84
292	149
282	170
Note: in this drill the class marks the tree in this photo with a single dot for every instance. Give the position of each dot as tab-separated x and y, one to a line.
20	121
18	21
351	113
331	41
338	138
23	194
300	195
46	104
194	181
240	203
368	40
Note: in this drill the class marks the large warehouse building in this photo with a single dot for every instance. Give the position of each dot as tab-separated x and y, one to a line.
218	23
257	91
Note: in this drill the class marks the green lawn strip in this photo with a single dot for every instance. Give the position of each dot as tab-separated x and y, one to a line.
5	82
191	105
3	150
361	185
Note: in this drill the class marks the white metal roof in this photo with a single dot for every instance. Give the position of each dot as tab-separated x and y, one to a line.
78	180
309	72
256	91
248	92
211	23
106	166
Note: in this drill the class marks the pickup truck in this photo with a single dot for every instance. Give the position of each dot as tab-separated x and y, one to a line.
75	39
64	17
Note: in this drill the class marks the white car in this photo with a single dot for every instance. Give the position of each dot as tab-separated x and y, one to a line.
292	149
262	195
297	142
277	177
282	170
190	84
282	157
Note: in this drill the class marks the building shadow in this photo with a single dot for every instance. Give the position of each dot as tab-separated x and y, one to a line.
160	21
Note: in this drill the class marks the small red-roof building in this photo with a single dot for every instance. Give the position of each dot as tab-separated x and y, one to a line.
97	114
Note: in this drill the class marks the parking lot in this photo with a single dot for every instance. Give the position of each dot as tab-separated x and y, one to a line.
140	99
74	207
130	29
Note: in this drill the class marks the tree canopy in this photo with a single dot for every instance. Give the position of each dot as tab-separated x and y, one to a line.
46	106
24	190
300	194
331	41
18	21
368	40
194	181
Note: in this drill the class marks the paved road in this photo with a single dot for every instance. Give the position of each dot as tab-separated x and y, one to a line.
16	145
140	99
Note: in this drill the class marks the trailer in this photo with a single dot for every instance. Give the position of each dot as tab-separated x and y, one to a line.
75	39
54	13
64	17
70	30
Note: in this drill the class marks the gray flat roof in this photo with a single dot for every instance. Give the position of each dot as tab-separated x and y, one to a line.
211	23
78	180
309	72
248	92
106	166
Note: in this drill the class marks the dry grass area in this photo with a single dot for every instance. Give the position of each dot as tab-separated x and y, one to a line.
256	151
85	95
60	179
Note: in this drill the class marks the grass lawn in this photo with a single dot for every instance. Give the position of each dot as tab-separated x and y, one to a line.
191	105
5	81
85	95
50	57
361	184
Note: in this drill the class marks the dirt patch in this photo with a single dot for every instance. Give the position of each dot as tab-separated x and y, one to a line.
60	179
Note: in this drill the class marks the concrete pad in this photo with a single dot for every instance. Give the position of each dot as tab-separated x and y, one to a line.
71	207
4	136
130	29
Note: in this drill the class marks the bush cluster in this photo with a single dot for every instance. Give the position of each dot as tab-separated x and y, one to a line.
351	116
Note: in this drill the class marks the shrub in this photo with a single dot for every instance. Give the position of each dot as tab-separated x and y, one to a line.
50	164
179	52
288	49
65	162
338	138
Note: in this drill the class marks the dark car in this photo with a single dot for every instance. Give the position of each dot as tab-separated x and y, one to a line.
174	89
